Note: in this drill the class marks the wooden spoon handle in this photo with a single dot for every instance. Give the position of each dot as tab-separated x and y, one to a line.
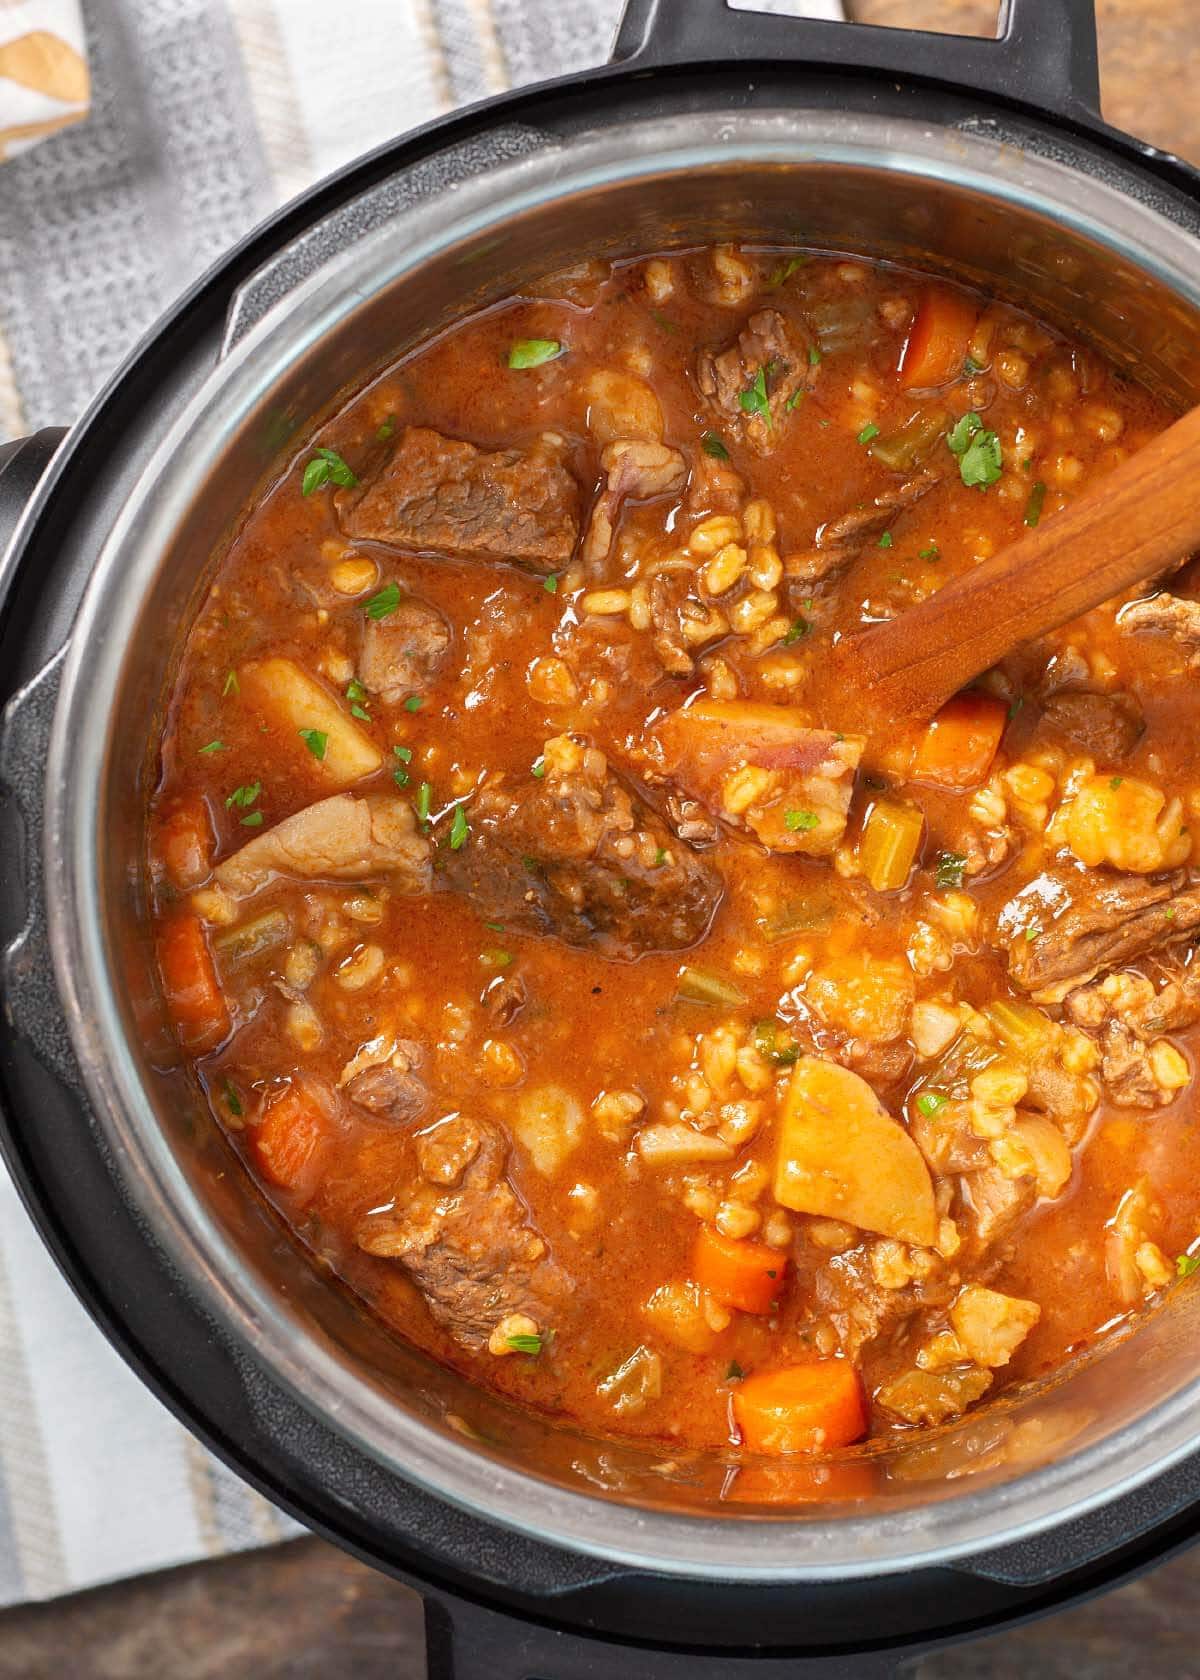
1142	517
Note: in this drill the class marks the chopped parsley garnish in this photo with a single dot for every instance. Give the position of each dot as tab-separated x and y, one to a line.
1033	507
814	356
796	630
496	927
414	703
385	602
766	1042
532	1345
801	819
234	1104
868	432
796	398
459	829
213	746
538	768
712	445
932	552
254	820
885	540
243	797
786	270
1114	782
734	1372
232	686
424	800
400	774
660	857
1186	1264
315	740
1169	913
949	869
494	957
357	694
978	451
403	752
533	352
931	1102
1033	932
970	366
386	429
1014	705
326	467
753	399
550	584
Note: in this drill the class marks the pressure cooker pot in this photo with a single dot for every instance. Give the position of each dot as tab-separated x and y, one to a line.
984	161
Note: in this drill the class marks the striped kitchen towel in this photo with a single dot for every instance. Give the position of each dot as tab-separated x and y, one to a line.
204	114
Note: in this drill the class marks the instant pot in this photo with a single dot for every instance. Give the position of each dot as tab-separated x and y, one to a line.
542	1553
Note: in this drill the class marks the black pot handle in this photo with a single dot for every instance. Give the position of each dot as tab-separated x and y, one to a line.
22	464
1044	54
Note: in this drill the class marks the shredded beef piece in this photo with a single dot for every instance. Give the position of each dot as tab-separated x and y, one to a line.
343	838
504	998
1125	1012
1087	921
633	469
402	653
1166	615
464	1236
1108	725
769	343
575	856
992	1204
392	1088
840	541
440	495
682	622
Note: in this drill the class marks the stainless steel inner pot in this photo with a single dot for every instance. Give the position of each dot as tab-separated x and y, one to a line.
1071	245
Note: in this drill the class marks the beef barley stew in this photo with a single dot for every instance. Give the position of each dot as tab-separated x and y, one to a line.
624	1031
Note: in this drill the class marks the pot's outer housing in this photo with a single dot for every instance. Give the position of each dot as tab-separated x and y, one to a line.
72	1168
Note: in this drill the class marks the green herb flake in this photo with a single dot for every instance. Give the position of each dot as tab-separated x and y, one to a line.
868	432
814	356
326	467
385	602
357	695
931	1102
414	703
796	398
734	1373
885	540
932	552
550	584
316	740
978	452
424	800
796	631
534	352
970	366
234	1104
766	1043
948	871
1186	1264
801	820
753	399
213	746
254	820
401	776
1114	782
1015	705
232	686
459	829
532	1345
384	432
660	857
404	753
786	270
495	957
714	446
1033	932
538	768
1033	507
243	797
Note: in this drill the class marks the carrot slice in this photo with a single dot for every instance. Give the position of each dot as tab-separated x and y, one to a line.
957	749
186	842
936	346
288	1141
746	1275
190	983
802	1408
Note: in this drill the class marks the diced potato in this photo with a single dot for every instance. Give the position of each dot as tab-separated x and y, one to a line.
866	996
289	697
634	1382
548	1124
676	1311
842	1156
992	1326
1128	823
673	1145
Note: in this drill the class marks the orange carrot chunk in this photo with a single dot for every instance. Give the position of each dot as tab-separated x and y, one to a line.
193	993
802	1408
936	347
746	1275
288	1140
957	749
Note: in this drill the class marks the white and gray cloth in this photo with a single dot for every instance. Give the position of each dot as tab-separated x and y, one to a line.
204	115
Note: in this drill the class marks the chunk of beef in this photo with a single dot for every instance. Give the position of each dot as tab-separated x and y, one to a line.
1107	725
862	1310
632	469
391	1086
840	541
464	1236
691	820
992	1203
1125	1012
402	653
683	623
1067	669
1084	922
1166	615
344	838
769	345
577	857
504	998
440	495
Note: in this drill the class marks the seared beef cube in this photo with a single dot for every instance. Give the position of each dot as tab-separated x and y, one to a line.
839	542
1108	725
464	1236
1069	924
402	652
577	857
769	366
391	1087
1166	615
437	495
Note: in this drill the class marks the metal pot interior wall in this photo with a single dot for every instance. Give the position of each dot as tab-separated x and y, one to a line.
939	201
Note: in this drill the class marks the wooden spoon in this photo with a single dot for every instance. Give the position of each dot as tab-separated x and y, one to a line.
1142	518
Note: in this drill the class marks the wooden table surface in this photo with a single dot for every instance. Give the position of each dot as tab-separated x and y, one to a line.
304	1609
